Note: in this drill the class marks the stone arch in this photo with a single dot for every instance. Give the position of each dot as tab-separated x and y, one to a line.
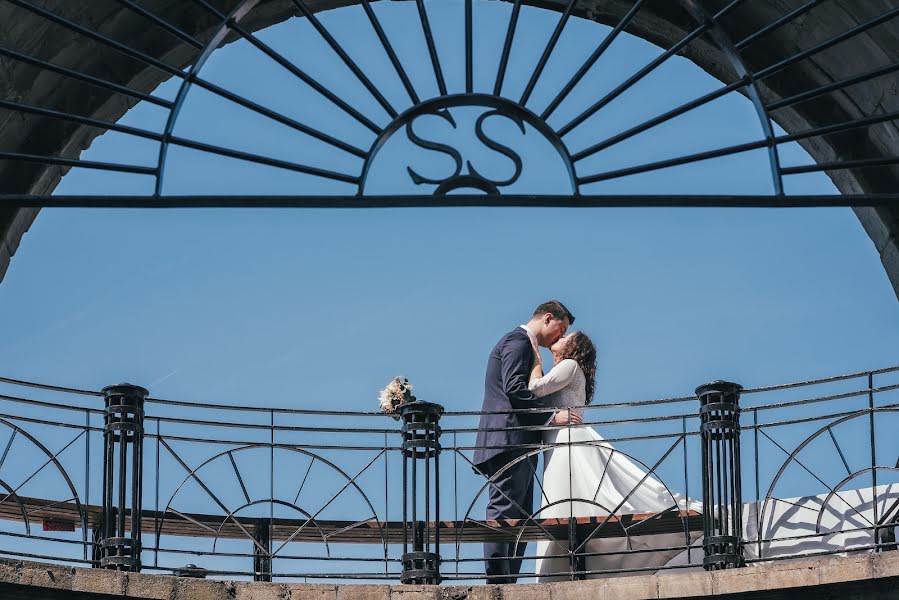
661	23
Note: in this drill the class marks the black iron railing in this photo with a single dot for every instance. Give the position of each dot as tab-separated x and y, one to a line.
118	479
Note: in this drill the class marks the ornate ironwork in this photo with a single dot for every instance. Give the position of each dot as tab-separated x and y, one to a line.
119	541
290	493
421	477
536	106
722	489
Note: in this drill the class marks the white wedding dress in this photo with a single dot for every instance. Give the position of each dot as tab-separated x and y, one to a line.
589	478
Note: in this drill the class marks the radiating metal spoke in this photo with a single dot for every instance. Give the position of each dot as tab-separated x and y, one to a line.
700	156
790	16
432	49
193	475
391	54
181	35
275	116
349	62
664	118
507	48
842	165
547	52
262	160
303	483
818	479
839	451
292	68
633	79
350	481
239	478
71	162
12	438
149	60
42	467
96	81
624	500
603	46
64	116
780	66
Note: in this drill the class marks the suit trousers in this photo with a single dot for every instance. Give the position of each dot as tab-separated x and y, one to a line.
511	496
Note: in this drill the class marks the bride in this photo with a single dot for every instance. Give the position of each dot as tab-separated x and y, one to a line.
584	476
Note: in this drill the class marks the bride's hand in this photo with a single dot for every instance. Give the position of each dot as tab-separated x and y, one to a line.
564	417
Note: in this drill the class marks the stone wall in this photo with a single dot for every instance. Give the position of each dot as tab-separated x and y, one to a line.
864	577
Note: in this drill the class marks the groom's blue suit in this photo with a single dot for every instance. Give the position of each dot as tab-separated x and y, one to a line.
511	493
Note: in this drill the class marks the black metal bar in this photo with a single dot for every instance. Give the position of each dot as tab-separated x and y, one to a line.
780	66
278	117
65	116
349	62
243	487
719	412
178	33
475	200
547	52
262	551
87	477
391	54
873	450
835	86
421	442
723	39
632	80
262	160
686	487
432	49
603	46
758	498
120	549
305	78
156	501
816	132
469	64
839	451
102	83
792	15
671	114
845	164
73	162
54	18
507	48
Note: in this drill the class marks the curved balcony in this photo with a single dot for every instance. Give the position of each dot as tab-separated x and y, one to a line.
114	480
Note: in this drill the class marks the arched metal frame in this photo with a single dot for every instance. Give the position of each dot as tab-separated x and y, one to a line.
192	474
707	24
51	458
792	458
580	550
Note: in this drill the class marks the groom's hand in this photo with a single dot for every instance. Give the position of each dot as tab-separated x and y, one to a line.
564	417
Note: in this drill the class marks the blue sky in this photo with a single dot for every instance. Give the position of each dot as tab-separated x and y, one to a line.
320	308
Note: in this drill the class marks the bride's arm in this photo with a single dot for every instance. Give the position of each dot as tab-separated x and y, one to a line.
557	378
536	372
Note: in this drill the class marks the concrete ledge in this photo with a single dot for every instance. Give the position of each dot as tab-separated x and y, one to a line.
20	579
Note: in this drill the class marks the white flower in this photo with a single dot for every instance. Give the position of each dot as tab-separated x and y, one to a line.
396	392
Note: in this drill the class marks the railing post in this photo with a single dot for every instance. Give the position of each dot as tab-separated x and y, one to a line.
123	436
421	476
262	551
722	498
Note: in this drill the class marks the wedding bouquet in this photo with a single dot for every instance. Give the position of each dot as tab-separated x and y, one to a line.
398	391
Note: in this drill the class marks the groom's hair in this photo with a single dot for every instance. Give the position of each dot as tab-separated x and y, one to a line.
556	309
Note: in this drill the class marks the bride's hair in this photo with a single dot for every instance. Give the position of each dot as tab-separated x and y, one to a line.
580	348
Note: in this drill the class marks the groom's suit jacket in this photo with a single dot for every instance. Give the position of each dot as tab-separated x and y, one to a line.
506	388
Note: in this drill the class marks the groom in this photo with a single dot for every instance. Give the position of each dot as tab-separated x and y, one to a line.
511	493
